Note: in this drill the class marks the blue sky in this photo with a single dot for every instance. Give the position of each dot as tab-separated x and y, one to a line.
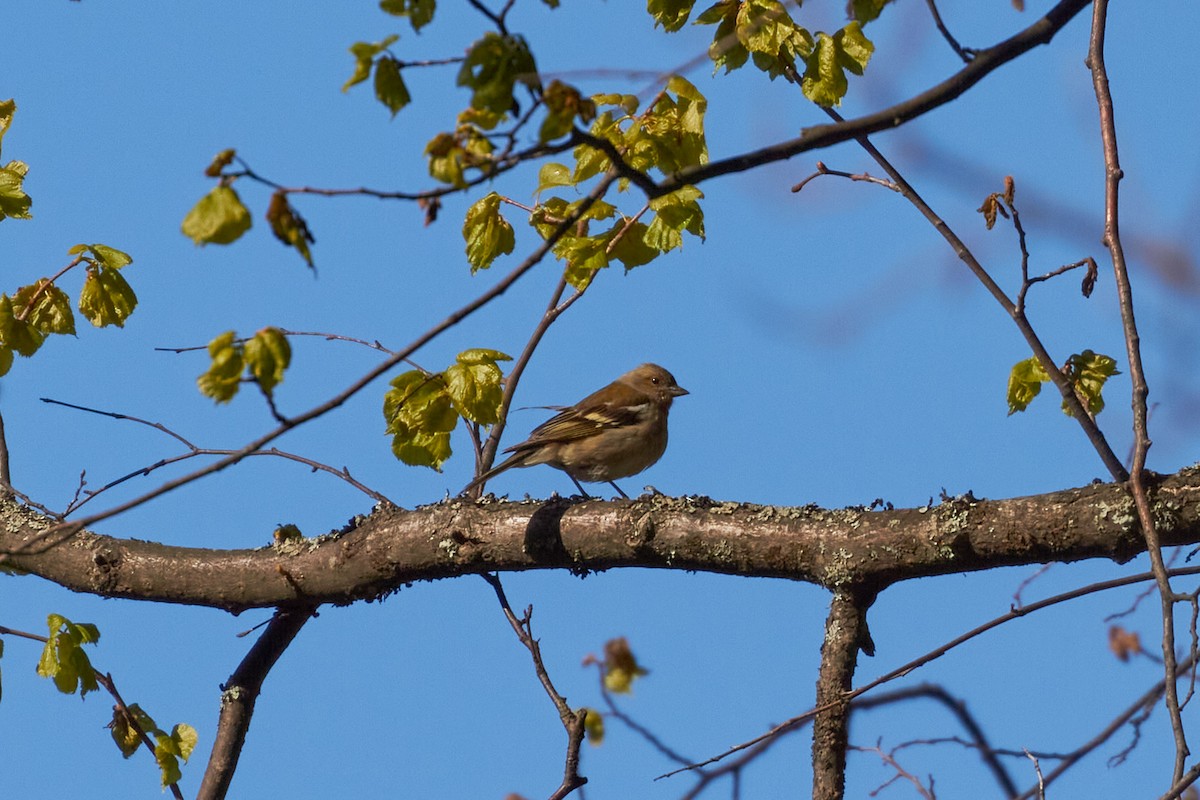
834	348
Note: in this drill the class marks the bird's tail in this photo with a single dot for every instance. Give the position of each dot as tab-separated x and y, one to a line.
515	460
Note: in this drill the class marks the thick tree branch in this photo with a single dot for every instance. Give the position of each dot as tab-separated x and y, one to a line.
240	693
845	630
378	554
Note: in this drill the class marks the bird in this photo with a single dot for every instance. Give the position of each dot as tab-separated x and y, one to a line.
612	433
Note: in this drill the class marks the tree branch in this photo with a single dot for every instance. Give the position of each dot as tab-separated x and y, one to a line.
379	553
820	136
240	693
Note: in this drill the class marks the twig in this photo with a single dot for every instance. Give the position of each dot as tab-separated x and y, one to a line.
1137	376
194	451
554	310
239	695
966	54
571	720
1037	768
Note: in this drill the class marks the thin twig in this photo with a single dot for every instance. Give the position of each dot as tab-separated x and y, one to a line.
194	450
1137	376
964	53
571	720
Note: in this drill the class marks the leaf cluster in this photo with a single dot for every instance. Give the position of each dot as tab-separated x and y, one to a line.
1087	373
42	308
127	726
422	408
261	359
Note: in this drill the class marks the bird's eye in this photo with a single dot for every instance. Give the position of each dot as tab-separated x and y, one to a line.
654	380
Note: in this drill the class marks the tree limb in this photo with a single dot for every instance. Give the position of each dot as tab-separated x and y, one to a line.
379	553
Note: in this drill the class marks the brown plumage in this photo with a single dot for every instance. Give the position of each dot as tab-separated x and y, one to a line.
613	433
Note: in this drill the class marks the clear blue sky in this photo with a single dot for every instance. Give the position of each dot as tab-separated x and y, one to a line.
835	350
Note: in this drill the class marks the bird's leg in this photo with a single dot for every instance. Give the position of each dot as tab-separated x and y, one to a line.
579	486
618	488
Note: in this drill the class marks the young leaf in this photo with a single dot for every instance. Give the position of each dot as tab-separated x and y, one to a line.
671	14
220	161
1088	373
63	658
593	725
17	334
364	56
13	200
474	384
124	734
620	666
419	12
1024	383
676	212
564	103
219	218
7	109
268	354
6	359
47	307
106	298
389	85
419	416
288	226
107	256
487	233
224	375
492	68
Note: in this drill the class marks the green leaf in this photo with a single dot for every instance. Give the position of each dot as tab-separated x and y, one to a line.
219	218
419	12
552	174
726	50
185	738
474	384
288	226
419	415
6	359
389	86
107	256
867	10
167	756
49	308
492	68
124	734
1088	372
268	354
671	14
13	200
106	298
676	213
447	159
487	233
7	109
564	103
593	725
364	56
224	375
17	334
631	248
824	81
854	49
63	658
1024	383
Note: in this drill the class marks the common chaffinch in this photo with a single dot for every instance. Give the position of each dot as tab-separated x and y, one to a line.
613	433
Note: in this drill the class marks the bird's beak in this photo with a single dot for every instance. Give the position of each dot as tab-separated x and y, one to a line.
678	391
